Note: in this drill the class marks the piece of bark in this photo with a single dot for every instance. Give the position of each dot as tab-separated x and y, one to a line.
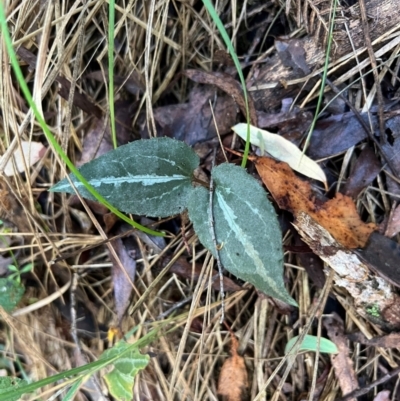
373	297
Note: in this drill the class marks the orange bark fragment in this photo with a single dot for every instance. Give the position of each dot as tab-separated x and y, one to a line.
233	381
338	216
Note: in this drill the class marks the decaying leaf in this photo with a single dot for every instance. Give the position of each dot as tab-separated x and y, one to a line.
98	141
393	226
193	122
336	134
233	380
363	173
122	278
391	340
283	150
338	215
292	54
341	362
29	153
383	395
227	84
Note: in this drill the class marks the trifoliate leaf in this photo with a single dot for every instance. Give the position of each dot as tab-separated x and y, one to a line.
310	343
121	379
283	150
246	227
146	177
11	292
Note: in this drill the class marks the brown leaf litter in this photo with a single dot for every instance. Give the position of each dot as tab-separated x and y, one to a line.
233	379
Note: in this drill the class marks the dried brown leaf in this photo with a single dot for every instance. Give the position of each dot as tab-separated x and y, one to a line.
393	226
336	134
193	122
383	396
391	340
233	380
338	215
122	278
292	54
227	84
341	362
363	173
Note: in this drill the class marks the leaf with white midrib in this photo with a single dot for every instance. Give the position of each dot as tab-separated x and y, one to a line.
246	229
147	177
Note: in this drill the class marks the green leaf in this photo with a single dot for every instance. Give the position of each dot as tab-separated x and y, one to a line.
121	379
8	383
310	343
147	177
246	227
11	293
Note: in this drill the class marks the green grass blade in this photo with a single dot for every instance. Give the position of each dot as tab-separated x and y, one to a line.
81	371
111	21
50	137
220	26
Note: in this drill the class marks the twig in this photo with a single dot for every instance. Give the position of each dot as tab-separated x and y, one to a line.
212	231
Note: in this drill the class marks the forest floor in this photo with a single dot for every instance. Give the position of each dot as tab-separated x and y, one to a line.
324	77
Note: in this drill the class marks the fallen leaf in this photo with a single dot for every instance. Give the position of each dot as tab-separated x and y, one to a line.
383	395
283	150
122	278
312	263
391	340
291	124
363	173
227	84
393	226
193	122
233	380
11	207
292	54
310	343
29	153
341	362
336	134
98	141
382	256
338	215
